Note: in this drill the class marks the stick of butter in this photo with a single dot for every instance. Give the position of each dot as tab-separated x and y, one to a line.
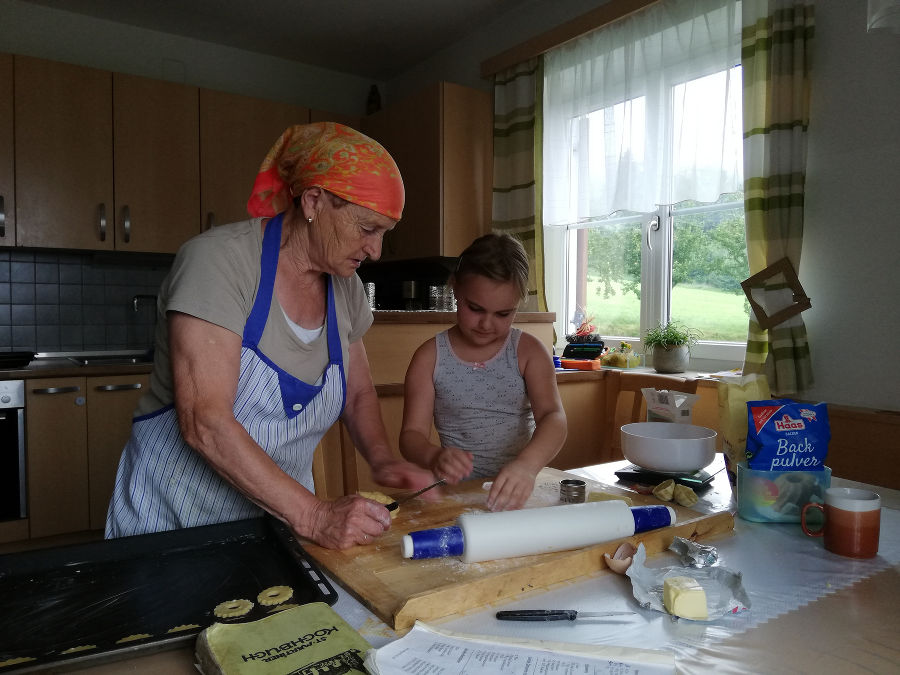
684	597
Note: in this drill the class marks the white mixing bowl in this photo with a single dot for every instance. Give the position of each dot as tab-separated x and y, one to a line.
668	447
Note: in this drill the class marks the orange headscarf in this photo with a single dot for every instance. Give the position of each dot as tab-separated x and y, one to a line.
333	157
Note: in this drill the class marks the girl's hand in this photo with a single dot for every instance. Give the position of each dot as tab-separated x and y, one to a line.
452	464
512	487
345	522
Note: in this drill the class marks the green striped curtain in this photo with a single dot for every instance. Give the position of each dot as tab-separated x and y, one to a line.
775	59
517	167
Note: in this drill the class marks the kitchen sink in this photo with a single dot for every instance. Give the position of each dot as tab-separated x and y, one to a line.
110	360
122	357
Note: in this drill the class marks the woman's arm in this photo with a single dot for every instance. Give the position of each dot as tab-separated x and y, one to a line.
205	368
362	416
515	482
451	464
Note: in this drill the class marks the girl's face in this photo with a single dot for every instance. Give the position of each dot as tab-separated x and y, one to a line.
485	308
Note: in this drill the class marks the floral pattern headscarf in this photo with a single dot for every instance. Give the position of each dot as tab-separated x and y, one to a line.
333	157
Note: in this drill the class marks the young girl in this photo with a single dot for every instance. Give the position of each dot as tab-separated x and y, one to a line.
489	388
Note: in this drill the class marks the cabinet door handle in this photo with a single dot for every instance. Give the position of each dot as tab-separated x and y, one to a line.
2	218
126	223
118	387
101	221
56	390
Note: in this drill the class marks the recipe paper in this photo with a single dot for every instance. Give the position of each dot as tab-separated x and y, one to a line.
426	649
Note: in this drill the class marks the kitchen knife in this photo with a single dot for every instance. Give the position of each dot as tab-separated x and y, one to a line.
553	615
397	502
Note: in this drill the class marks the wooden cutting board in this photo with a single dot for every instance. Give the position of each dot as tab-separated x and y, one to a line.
399	591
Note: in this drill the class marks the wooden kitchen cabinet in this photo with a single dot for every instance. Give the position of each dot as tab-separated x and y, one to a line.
441	138
76	428
56	451
157	164
63	155
236	132
104	160
7	167
111	402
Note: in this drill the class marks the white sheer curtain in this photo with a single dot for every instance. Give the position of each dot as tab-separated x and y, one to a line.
645	111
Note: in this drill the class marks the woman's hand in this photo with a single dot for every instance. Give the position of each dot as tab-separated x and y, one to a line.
452	464
512	487
345	522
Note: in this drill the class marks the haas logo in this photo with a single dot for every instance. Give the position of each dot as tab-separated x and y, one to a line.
787	423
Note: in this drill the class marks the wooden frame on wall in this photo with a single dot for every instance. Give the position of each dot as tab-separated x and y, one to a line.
758	281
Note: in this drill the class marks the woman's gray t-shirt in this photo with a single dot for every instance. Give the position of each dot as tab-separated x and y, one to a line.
482	407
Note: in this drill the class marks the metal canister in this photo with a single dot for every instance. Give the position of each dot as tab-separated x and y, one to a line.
370	294
572	491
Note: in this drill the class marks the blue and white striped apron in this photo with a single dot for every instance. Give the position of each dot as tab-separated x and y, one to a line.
163	484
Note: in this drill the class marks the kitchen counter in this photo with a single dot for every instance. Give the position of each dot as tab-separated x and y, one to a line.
429	316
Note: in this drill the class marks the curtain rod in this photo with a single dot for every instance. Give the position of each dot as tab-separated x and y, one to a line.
596	18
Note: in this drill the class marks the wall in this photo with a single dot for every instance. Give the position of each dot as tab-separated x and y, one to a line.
38	31
55	301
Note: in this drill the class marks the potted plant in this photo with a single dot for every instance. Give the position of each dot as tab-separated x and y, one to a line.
670	346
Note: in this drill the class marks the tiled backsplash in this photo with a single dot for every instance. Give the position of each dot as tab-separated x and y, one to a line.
62	301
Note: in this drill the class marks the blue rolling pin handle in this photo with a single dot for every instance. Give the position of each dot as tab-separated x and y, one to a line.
652	517
437	543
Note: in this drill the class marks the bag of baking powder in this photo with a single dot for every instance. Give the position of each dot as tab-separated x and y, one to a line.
783	435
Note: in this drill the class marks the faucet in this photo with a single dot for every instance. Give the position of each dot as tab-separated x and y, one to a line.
137	299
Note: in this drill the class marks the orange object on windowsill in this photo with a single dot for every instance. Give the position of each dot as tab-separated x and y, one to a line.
581	364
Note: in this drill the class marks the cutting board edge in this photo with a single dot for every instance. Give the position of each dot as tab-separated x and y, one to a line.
564	566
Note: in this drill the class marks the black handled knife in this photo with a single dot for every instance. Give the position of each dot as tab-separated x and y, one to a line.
397	502
553	615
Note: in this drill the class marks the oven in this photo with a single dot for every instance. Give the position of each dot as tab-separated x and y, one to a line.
12	450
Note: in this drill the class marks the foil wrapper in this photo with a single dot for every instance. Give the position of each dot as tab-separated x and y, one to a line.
693	554
724	589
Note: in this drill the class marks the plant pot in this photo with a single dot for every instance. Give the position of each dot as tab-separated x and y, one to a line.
671	360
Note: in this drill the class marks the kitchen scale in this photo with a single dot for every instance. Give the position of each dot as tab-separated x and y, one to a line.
697	480
583	350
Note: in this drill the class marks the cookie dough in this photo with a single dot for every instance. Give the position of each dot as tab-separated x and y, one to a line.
233	608
381	498
79	648
275	595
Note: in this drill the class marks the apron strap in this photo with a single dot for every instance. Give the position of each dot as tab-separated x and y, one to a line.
271	246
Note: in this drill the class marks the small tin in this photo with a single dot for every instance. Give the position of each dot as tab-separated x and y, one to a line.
370	294
572	491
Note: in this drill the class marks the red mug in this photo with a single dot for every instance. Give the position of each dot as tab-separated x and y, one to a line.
852	522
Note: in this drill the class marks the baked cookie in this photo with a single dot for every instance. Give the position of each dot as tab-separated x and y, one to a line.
233	608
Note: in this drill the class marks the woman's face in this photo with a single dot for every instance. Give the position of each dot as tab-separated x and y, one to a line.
345	235
485	308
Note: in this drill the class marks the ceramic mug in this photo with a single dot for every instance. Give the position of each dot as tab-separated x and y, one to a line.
852	522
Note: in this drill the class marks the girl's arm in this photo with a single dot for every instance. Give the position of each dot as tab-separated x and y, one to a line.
451	464
515	482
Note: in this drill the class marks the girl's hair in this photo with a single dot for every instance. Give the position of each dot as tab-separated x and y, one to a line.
496	256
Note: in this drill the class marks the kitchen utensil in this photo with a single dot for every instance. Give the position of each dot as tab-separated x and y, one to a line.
397	502
668	446
554	615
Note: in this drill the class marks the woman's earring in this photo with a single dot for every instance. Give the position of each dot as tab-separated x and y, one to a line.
309	220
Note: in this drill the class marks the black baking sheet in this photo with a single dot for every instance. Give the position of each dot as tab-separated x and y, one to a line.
96	594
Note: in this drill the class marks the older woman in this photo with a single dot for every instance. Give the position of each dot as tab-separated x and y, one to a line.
259	352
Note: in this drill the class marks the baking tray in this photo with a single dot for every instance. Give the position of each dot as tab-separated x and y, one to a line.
15	359
58	599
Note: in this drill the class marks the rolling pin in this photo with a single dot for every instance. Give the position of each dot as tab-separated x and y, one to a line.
508	534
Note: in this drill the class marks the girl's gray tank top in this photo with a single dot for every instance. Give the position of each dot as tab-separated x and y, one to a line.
482	407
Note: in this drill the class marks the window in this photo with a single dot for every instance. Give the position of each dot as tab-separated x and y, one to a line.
642	171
